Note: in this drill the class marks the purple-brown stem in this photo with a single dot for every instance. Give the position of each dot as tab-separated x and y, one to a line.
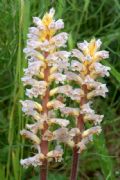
44	144
80	125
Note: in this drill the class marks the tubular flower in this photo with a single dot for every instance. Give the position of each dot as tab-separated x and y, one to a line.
84	71
46	64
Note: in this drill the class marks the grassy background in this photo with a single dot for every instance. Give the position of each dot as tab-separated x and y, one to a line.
83	19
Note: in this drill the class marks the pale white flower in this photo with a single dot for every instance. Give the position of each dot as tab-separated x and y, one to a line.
52	12
33	43
82	144
30	135
27	80
63	54
32	93
90	82
34	31
32	161
48	136
62	135
78	54
59	60
101	69
41	118
34	59
83	46
70	111
56	154
86	109
33	68
97	119
76	66
55	104
59	121
34	36
93	130
36	126
76	94
62	65
59	24
74	131
38	23
102	55
47	46
66	89
60	39
38	88
71	76
31	108
58	77
98	43
100	90
30	52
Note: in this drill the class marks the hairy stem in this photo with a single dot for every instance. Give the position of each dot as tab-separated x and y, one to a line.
80	125
44	144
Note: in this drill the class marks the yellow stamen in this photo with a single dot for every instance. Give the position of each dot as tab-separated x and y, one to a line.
53	91
92	47
53	69
40	57
49	104
38	106
51	78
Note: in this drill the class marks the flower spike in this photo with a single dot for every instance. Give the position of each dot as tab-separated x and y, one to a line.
46	64
87	66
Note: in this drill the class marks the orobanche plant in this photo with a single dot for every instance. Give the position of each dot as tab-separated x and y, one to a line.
51	79
85	69
46	65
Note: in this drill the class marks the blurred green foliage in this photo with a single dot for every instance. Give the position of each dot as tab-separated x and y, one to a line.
83	19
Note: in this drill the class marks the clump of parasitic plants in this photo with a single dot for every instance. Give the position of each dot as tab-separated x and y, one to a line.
48	80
